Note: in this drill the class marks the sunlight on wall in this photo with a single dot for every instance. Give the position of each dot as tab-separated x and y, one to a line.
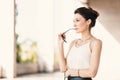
35	22
45	24
63	19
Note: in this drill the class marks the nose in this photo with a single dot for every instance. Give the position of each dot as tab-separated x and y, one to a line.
74	25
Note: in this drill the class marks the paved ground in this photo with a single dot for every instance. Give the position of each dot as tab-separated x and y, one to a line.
40	76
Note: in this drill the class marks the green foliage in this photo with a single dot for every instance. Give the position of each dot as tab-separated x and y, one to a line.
27	52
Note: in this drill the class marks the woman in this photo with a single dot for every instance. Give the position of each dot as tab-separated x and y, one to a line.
82	60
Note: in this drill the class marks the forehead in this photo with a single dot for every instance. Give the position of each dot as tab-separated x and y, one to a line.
78	16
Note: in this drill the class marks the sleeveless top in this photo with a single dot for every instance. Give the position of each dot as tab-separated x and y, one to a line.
79	57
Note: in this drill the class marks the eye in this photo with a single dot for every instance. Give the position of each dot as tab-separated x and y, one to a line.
77	20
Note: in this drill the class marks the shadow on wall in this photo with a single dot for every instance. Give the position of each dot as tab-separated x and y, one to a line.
109	15
0	71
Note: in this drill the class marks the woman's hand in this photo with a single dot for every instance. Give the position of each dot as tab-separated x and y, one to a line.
61	38
71	72
67	73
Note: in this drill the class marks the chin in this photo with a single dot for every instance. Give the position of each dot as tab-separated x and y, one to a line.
78	31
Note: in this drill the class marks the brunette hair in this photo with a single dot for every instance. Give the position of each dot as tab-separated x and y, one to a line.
88	13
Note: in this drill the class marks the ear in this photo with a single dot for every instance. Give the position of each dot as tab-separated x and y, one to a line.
89	21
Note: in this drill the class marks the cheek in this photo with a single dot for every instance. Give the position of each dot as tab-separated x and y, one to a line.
81	23
82	27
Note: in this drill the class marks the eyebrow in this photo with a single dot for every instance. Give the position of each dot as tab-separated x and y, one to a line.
76	18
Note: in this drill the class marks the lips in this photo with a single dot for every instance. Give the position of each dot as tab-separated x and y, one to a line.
76	28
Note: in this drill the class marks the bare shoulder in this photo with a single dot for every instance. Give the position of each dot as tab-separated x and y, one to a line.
96	42
72	43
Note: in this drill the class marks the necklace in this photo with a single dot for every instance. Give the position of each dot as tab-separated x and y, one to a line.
80	42
86	39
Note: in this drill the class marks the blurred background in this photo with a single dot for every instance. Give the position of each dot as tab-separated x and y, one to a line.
29	29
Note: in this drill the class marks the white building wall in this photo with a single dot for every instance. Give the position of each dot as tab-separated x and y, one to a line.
7	37
35	22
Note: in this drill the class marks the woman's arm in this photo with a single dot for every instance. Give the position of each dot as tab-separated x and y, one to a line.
96	47
62	60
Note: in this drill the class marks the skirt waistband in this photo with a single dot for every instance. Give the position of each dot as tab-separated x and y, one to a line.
78	78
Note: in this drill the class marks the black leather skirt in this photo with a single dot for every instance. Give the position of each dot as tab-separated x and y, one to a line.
78	78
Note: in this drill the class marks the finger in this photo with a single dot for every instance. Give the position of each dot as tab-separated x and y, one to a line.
67	73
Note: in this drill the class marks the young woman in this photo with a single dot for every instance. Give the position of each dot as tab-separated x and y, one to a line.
83	57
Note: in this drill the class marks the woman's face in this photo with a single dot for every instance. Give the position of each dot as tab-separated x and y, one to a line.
80	23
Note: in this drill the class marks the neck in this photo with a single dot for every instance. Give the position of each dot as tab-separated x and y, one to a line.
86	35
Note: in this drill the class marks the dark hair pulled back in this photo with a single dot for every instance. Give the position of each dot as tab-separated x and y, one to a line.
88	13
